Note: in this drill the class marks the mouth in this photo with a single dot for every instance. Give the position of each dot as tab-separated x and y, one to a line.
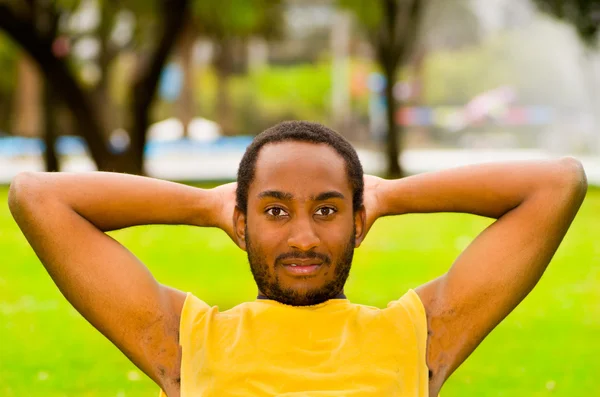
302	267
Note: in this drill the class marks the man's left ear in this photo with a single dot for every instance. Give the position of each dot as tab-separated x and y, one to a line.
360	222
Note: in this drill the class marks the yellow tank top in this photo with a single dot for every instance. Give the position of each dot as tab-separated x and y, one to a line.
337	348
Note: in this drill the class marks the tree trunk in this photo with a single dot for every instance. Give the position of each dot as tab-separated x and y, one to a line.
27	112
224	103
340	70
394	39
103	103
392	149
87	117
187	104
224	64
389	48
57	73
147	78
50	158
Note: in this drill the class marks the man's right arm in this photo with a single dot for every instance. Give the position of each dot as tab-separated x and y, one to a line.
64	217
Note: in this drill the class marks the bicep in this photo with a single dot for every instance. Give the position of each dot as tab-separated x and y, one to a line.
105	282
490	278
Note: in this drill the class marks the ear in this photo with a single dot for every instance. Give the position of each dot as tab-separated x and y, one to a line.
360	222
239	227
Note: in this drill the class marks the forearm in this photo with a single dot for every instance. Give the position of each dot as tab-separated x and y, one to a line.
113	201
489	190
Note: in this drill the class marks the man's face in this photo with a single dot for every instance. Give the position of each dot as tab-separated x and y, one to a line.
300	229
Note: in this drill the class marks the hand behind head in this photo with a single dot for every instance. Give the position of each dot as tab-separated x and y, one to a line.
224	205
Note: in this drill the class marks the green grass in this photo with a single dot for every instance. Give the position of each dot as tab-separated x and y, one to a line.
547	347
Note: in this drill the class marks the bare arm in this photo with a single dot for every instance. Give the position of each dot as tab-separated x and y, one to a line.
534	204
63	216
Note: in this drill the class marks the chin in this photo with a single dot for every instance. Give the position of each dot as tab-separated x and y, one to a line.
304	296
303	301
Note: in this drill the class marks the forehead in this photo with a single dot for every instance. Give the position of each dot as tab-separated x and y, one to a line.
299	167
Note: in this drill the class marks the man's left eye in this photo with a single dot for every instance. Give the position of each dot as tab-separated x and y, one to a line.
325	211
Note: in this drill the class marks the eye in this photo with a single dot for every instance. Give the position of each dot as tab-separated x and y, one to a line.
276	212
326	211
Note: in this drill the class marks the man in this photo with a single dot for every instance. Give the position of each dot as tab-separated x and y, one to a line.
300	207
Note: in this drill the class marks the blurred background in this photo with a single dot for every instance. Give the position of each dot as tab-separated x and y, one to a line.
176	89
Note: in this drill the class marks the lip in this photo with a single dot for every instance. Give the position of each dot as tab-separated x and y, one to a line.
302	270
301	262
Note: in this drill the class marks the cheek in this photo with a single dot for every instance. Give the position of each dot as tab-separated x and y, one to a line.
335	238
340	228
266	237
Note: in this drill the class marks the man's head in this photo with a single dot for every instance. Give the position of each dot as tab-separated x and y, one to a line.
299	212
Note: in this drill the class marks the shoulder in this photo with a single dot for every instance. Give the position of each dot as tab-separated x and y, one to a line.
408	315
411	301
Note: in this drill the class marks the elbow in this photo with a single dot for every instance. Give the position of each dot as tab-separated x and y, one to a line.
23	189
571	177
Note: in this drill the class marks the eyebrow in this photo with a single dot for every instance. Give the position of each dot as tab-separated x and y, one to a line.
328	195
278	195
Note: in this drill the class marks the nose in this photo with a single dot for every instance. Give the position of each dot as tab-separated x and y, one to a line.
302	235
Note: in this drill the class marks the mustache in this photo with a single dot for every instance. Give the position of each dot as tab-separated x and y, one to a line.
304	255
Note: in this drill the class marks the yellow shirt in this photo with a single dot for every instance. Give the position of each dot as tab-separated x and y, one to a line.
336	348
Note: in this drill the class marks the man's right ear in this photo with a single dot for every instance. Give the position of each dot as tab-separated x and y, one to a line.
239	227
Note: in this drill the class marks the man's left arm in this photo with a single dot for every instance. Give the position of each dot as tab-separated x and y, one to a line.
534	204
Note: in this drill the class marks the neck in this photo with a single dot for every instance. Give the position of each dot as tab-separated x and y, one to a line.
339	296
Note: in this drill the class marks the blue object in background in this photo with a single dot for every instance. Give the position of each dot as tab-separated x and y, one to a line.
423	116
12	146
376	82
189	146
171	82
377	106
71	146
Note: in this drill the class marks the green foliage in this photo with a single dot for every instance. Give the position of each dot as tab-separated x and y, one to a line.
546	347
453	78
238	18
444	23
8	76
264	98
368	12
305	88
68	5
142	8
8	60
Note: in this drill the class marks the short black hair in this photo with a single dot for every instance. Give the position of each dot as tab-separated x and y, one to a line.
300	131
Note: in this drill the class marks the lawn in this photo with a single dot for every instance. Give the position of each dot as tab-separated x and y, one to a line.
549	346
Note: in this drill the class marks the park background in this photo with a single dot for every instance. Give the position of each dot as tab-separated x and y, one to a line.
176	89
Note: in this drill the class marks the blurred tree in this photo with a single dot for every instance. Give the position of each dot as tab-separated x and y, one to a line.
26	109
50	128
392	27
32	24
584	15
8	65
446	25
186	102
403	31
230	24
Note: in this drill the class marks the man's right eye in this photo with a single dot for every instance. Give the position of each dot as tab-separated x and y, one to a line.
276	212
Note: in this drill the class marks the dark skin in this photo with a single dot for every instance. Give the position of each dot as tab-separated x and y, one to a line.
64	217
294	214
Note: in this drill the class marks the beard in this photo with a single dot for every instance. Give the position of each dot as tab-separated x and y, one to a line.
268	283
